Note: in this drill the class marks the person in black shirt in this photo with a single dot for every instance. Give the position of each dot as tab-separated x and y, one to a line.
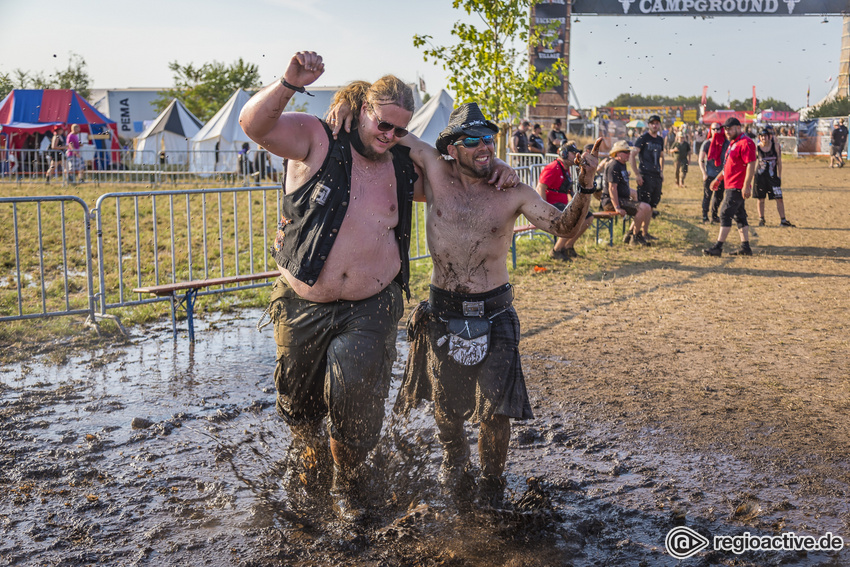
837	141
650	175
768	176
519	139
556	137
619	197
535	141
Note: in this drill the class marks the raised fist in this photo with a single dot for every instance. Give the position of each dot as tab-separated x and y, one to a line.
588	161
304	68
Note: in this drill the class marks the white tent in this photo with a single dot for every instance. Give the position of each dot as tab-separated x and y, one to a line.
432	117
169	132
216	146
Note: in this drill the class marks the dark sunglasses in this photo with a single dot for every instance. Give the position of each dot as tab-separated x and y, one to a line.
474	142
385	126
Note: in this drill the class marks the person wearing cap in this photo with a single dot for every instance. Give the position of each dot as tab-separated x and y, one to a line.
682	149
837	143
519	139
464	354
555	186
535	140
649	176
737	177
768	182
711	156
618	197
57	146
556	137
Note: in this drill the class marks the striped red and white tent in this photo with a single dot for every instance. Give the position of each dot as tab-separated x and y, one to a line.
27	111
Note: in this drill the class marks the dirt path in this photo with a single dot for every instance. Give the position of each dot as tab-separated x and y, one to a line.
669	390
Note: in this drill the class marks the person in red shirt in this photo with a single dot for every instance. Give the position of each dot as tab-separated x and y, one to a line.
555	186
737	177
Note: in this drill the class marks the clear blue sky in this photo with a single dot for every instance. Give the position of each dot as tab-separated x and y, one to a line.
130	45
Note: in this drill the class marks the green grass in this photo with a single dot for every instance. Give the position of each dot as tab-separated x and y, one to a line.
157	254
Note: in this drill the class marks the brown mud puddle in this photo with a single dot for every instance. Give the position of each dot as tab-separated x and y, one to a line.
158	453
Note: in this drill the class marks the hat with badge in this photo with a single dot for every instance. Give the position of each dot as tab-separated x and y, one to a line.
465	120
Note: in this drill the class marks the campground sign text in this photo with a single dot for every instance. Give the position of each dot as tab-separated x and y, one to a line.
711	7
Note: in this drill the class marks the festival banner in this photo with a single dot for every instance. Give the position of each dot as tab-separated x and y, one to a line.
722	115
549	12
668	114
710	7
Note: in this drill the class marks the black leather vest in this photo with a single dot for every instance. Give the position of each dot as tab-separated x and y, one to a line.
312	215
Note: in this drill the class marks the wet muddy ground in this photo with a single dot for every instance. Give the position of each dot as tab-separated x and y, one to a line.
669	390
159	453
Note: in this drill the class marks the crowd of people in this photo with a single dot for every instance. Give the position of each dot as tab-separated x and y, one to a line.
723	155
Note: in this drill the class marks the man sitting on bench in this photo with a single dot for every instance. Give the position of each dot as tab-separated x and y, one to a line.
618	197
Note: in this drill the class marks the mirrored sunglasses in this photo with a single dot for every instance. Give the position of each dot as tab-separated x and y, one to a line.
474	142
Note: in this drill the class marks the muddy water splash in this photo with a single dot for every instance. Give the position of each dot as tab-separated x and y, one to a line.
163	453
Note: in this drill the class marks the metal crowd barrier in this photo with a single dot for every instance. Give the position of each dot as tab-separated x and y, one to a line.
42	282
143	238
149	238
173	167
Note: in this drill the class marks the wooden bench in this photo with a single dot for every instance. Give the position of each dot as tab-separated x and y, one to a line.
606	220
187	299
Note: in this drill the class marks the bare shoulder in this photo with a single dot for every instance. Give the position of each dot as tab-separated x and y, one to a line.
297	136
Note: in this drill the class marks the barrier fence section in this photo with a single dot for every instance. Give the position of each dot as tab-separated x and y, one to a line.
53	267
147	167
148	238
45	252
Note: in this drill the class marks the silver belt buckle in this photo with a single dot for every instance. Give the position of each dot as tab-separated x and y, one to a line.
473	308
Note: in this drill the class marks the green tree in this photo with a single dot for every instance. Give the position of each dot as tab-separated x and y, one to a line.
839	106
74	76
205	89
6	85
629	99
486	66
774	104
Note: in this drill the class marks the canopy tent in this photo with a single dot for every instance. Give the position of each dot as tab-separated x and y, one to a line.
432	117
170	132
216	146
25	112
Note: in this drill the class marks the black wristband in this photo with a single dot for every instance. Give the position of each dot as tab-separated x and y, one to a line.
294	88
587	190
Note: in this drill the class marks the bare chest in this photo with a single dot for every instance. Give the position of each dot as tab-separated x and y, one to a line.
471	215
374	199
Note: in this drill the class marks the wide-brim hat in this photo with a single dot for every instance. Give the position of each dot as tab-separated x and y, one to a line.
621	146
465	120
